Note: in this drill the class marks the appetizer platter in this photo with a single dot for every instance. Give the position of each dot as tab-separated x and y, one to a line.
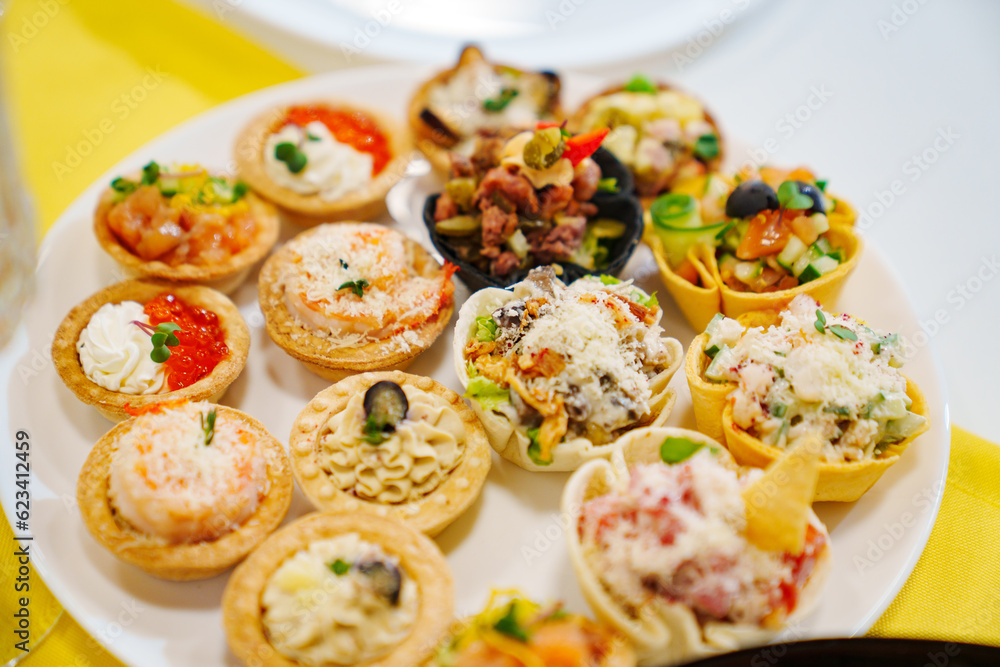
485	530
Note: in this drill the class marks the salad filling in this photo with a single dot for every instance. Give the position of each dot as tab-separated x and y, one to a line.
770	229
814	373
569	361
526	202
677	534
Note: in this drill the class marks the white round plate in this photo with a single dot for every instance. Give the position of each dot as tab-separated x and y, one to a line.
513	536
587	32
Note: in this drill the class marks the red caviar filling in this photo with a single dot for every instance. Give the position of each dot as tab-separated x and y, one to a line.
348	127
202	341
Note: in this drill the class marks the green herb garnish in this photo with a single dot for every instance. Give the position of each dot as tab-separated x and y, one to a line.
486	329
640	84
841	410
343	264
508	625
162	337
340	567
356	286
208	426
843	332
291	155
609	280
150	173
821	185
789	197
706	147
609	184
373	432
820	322
497	104
675	450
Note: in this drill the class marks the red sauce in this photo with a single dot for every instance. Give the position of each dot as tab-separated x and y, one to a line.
348	127
202	341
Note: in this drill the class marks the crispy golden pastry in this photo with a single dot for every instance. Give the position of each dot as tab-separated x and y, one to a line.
157	496
424	464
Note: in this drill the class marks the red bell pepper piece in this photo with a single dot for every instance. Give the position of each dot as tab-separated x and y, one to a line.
583	145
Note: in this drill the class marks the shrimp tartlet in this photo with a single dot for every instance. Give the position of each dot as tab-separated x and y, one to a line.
350	297
339	589
768	379
513	630
557	372
185	225
184	491
394	444
687	555
323	161
104	348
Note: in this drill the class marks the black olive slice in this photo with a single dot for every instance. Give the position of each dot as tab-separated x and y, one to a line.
750	198
386	405
386	579
442	133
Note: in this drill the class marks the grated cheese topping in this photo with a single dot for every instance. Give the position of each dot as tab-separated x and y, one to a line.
166	482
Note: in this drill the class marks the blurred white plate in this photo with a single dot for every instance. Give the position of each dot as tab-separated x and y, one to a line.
511	537
546	33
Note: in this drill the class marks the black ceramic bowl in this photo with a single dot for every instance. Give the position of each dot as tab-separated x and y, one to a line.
862	652
622	206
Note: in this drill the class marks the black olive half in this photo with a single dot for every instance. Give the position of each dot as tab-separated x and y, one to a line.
750	198
386	579
811	191
385	402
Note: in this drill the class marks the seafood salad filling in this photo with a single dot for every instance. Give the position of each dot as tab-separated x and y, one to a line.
568	361
815	373
340	601
185	474
676	534
360	282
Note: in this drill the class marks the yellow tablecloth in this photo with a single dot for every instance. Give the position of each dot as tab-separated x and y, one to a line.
91	80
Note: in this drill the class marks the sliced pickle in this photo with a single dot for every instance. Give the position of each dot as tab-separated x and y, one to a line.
460	225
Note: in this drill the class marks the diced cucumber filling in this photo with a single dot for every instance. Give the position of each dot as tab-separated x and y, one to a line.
818	267
715	370
900	429
791	252
820	222
746	271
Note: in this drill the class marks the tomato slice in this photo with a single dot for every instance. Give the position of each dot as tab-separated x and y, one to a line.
767	234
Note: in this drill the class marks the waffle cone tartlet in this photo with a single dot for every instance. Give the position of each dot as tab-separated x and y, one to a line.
117	406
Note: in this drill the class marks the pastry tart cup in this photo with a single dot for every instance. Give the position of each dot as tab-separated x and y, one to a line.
190	561
844	482
666	633
430	513
224	276
419	558
432	142
700	303
509	440
117	406
363	204
577	125
324	357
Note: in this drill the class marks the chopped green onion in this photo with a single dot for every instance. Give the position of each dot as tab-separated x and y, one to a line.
340	567
497	104
706	147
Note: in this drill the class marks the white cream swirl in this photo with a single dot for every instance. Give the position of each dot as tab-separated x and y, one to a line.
332	169
114	352
410	464
318	617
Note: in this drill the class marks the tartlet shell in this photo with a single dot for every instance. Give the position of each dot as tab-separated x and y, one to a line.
363	204
843	482
575	125
666	633
699	304
430	514
438	154
225	277
419	557
181	562
117	406
331	362
509	441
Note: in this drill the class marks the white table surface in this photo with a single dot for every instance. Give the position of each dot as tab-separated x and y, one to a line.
895	102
